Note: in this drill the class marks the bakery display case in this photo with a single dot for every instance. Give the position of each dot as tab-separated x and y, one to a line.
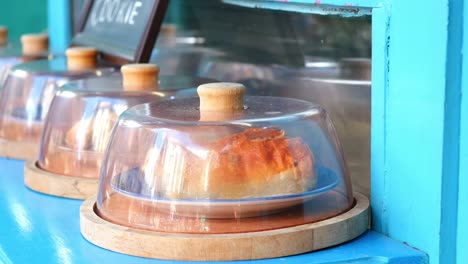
80	123
28	92
97	49
315	51
223	164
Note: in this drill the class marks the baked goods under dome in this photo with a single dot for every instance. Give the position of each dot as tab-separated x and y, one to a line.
223	163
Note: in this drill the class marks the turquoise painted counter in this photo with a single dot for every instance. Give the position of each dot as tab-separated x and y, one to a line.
37	228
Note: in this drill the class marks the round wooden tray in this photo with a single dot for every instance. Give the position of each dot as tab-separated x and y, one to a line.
216	247
58	185
18	150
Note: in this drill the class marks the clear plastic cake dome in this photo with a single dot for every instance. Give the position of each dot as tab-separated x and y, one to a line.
223	163
30	87
84	112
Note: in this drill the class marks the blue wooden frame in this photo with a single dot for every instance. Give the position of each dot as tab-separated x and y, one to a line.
60	25
415	125
408	123
419	149
462	232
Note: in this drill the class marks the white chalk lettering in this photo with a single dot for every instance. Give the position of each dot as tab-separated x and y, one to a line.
134	12
115	11
121	14
94	15
112	8
129	11
102	17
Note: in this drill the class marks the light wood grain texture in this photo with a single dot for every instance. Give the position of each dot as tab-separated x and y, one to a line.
18	150
140	77
58	185
81	58
221	96
216	247
220	101
34	43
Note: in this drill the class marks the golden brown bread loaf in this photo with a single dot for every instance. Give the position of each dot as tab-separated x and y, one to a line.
85	143
92	134
258	162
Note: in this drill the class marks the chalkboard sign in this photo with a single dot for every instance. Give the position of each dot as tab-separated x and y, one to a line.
122	30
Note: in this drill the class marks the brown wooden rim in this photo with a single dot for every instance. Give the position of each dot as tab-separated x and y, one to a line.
216	247
59	185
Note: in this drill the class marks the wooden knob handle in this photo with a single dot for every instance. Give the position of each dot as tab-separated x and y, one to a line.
168	30
227	97
81	58
35	43
220	101
140	77
3	35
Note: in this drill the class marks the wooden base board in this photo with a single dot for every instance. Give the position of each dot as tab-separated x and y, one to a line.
58	185
18	150
217	247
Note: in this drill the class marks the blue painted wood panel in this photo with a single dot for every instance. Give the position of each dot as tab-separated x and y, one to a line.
59	24
462	232
450	171
380	42
37	228
419	163
334	7
408	123
361	3
285	4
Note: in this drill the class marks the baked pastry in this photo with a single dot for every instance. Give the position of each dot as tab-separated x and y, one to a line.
81	150
258	162
92	134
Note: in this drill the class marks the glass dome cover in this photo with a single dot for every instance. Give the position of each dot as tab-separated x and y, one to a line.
193	165
28	92
84	112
